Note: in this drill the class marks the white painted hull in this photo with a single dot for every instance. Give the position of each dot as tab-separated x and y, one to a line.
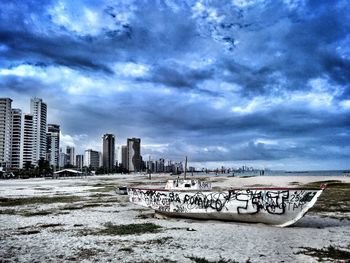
275	206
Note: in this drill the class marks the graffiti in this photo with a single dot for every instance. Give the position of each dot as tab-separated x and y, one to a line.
214	201
242	201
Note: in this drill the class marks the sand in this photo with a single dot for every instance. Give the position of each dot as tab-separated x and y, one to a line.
67	232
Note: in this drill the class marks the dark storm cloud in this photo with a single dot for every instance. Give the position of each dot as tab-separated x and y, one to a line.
162	70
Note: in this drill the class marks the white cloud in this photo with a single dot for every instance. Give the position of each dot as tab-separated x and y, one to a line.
66	140
84	20
131	69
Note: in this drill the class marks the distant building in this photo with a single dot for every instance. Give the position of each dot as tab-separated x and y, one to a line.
5	132
108	142
70	151
134	155
39	111
28	140
53	144
92	159
79	161
160	166
124	156
17	139
63	159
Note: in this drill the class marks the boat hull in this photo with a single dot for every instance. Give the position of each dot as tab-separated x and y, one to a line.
276	206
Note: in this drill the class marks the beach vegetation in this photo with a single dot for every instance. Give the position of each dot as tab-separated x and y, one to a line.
327	253
335	198
36	213
130	229
204	260
38	200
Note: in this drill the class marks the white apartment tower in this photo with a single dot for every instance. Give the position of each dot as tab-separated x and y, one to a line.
39	111
5	132
17	139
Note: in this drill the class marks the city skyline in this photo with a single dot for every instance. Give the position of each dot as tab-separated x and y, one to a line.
264	84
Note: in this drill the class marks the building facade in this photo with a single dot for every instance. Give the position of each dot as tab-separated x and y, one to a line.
124	156
17	140
79	161
28	140
92	159
5	132
134	155
108	153
70	151
39	111
53	144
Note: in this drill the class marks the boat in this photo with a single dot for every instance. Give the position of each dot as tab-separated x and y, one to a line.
196	199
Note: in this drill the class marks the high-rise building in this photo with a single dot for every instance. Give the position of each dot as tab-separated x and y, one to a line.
5	132
53	144
63	159
70	151
79	161
17	139
39	111
108	142
28	140
134	155
92	159
124	156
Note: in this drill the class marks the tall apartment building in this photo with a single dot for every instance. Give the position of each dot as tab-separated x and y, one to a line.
5	132
39	111
17	139
28	140
53	144
134	154
108	155
124	156
70	151
63	159
92	159
79	161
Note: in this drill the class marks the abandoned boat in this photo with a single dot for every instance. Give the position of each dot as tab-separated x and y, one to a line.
196	199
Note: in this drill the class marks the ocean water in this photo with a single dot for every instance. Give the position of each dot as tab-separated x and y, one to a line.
278	173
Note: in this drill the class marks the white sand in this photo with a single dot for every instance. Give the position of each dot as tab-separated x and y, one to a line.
212	239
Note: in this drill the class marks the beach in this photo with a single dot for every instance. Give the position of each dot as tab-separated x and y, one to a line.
77	219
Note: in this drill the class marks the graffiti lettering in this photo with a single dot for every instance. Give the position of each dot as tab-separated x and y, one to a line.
242	201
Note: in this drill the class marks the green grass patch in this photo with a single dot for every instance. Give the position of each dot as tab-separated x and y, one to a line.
126	249
29	232
49	225
38	200
131	229
8	212
36	213
326	253
204	260
335	198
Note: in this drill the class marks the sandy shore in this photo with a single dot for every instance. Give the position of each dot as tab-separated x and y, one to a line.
60	221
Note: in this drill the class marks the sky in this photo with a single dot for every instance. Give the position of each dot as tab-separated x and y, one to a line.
259	83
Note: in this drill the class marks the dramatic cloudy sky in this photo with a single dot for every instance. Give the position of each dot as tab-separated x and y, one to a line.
263	83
